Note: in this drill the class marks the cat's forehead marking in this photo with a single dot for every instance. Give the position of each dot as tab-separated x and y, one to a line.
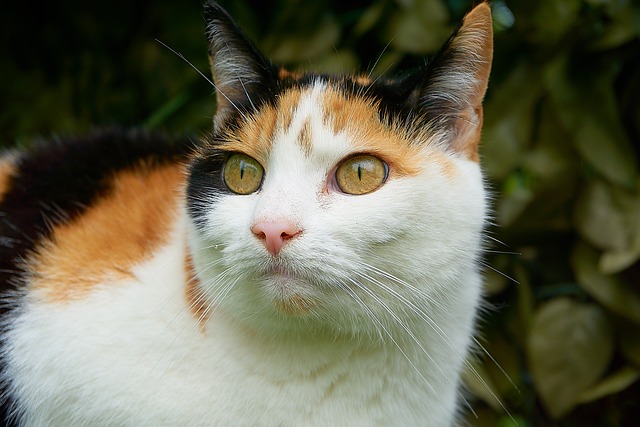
359	118
306	115
121	229
255	137
305	138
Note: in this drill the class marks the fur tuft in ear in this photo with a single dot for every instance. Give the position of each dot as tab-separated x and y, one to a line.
237	67
454	83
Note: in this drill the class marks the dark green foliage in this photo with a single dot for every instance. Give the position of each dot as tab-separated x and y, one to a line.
561	150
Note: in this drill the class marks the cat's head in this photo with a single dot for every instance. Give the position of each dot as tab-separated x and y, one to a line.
330	202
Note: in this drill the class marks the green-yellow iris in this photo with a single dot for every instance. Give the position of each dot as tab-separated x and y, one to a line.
243	174
361	174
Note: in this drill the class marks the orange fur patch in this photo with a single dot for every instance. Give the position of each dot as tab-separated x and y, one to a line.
283	73
475	37
287	105
194	294
254	138
295	304
119	231
359	118
7	169
364	80
305	140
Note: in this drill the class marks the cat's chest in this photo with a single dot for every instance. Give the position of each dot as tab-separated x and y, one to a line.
173	374
134	353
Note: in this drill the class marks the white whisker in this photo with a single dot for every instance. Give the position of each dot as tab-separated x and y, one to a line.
418	311
375	64
373	317
500	272
181	56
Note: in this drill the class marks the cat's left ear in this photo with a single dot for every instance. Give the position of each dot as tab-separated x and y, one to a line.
241	74
454	83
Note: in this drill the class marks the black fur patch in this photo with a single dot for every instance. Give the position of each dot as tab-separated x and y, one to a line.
205	180
55	182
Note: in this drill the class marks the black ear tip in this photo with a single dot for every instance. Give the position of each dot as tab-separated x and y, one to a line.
212	10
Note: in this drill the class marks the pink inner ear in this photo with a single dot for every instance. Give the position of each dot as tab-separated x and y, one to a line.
468	131
275	234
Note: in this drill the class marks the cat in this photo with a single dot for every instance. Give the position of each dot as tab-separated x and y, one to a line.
314	260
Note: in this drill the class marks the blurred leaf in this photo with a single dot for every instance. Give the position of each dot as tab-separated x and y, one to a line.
612	384
609	290
599	218
493	281
629	336
507	421
589	112
525	299
557	19
291	48
619	258
609	217
341	61
483	416
370	18
508	127
480	385
503	18
516	196
420	26
622	25
551	161
162	114
501	365
387	62
569	348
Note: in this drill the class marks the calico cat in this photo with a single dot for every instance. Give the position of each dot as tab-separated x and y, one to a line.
314	260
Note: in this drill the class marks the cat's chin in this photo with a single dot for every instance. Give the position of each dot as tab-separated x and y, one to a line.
290	293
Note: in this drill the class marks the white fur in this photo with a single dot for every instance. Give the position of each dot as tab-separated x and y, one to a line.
133	354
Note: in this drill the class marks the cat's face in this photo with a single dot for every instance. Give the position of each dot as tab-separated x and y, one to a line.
330	203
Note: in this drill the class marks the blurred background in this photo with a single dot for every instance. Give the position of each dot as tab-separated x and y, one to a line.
561	149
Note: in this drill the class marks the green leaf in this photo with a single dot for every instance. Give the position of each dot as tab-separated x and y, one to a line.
629	341
420	27
480	385
587	108
370	18
609	290
599	218
628	206
623	24
301	48
508	126
612	384
554	20
569	347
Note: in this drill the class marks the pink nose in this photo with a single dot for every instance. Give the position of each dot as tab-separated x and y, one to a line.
275	234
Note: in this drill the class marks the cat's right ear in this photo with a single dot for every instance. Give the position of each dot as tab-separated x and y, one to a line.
241	74
453	86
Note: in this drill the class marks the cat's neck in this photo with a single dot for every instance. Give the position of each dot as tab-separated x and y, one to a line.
397	372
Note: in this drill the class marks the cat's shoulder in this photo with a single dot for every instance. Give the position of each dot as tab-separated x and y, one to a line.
112	180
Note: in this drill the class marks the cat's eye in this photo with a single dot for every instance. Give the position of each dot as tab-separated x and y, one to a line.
243	174
361	174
